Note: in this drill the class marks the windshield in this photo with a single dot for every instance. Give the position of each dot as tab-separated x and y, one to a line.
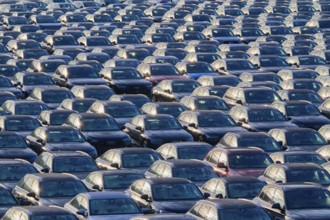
198	153
12	141
98	41
204	173
6	198
174	110
21	124
122	111
113	206
264	115
32	80
120	181
307	96
125	74
176	191
244	214
302	110
100	124
64	136
222	33
304	138
138	54
311	60
139	160
252	32
100	94
163	70
4	82
54	217
247	161
209	58
320	199
82	72
215	120
162	124
51	66
304	175
273	51
244	190
184	86
273	61
315	86
305	158
199	68
211	104
229	81
15	172
261	97
56	96
82	106
64	40
240	65
59	118
65	188
30	108
266	143
74	164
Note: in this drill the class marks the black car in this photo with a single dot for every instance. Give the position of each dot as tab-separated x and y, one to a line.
155	130
208	125
100	130
14	146
126	80
133	158
50	189
57	138
294	201
111	180
259	118
175	195
77	163
250	139
233	187
302	113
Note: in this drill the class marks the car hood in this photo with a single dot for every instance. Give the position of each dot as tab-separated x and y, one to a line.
116	217
266	126
309	121
303	147
106	135
88	81
169	134
132	82
60	201
28	89
157	79
179	206
72	146
220	131
24	153
68	46
195	76
315	214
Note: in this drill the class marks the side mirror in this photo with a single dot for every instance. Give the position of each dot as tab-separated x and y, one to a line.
221	165
82	212
45	170
170	158
280	143
192	125
277	162
243	120
168	91
146	197
219	196
289	118
277	206
139	128
44	123
97	187
284	148
115	165
40	141
146	210
206	195
62	77
279	181
32	194
239	102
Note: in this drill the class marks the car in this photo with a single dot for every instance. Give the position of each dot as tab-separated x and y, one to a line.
296	173
227	209
233	187
138	99
103	205
250	139
208	125
53	42
98	92
31	212
233	66
138	159
50	189
222	35
238	161
306	61
259	118
184	150
20	124
52	97
196	69
300	94
14	146
170	108
298	157
280	200
57	138
77	163
24	107
165	194
126	80
100	130
122	111
310	84
297	139
47	66
26	82
111	180
302	113
260	77
54	117
218	91
71	75
271	63
204	103
80	105
288	74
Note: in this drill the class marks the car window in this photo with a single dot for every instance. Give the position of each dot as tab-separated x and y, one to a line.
210	186
278	197
267	194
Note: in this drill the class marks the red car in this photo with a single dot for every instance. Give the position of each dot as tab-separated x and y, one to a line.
238	161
